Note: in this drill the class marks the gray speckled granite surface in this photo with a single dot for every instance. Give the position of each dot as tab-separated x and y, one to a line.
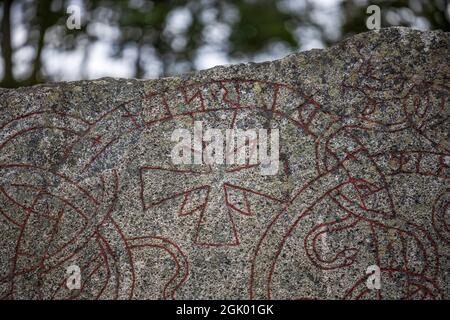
86	179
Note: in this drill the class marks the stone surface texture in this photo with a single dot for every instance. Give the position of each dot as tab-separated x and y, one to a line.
86	179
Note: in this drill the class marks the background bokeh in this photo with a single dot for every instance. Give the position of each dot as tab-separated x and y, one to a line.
150	39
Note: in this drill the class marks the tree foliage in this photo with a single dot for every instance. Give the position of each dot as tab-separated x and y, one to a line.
241	29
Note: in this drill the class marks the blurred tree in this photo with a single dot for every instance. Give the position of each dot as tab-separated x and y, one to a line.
426	14
168	35
258	23
8	78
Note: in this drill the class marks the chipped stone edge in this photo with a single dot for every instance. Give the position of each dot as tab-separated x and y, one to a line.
195	76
